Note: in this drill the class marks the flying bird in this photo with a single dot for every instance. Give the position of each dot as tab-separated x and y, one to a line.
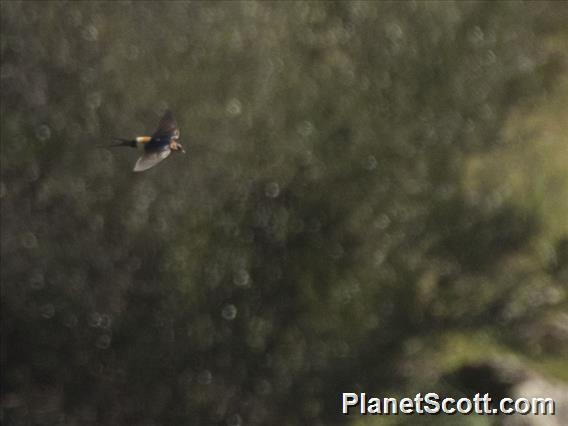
156	147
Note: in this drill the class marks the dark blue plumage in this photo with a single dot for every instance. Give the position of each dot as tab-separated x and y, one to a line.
158	146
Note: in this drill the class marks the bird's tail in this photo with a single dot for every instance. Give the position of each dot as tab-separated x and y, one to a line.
120	142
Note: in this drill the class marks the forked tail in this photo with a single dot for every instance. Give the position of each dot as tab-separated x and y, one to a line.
120	142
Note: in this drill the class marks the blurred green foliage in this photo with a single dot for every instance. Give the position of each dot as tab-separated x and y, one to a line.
323	234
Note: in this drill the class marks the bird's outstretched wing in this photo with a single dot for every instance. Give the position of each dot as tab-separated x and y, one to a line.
150	159
167	127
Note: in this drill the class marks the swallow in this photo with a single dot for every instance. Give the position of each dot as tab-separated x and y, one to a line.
156	147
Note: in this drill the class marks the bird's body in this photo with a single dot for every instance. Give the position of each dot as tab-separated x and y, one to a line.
156	147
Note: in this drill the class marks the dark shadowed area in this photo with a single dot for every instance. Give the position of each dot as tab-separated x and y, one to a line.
374	199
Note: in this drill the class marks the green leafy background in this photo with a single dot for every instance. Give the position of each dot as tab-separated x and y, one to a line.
375	194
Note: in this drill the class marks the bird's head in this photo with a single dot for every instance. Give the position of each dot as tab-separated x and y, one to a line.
176	146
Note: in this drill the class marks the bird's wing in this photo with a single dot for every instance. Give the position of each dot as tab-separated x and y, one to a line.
167	127
150	159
